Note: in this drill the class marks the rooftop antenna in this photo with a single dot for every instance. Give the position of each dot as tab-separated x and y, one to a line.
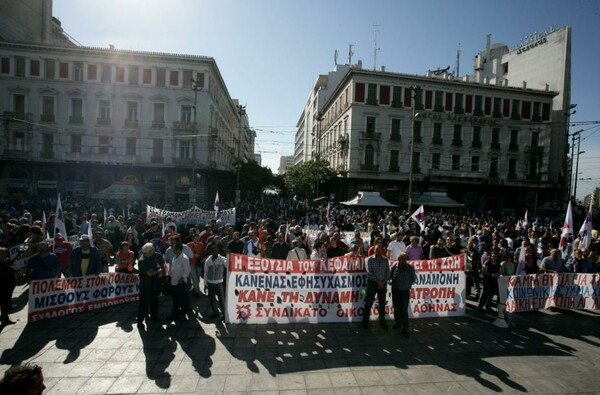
350	53
375	48
335	57
457	70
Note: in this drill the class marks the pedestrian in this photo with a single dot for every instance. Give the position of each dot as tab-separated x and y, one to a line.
403	277
85	259
7	286
62	249
151	267
179	270
214	276
124	259
23	379
378	272
44	264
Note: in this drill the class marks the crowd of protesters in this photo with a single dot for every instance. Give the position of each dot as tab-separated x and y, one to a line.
194	256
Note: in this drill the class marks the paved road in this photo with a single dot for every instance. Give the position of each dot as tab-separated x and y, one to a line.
103	352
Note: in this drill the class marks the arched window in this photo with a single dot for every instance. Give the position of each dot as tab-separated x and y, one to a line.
369	155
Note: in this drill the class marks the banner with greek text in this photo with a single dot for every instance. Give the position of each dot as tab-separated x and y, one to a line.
192	216
261	291
541	291
61	296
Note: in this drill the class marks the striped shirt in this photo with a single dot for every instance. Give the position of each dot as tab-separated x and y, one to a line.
378	269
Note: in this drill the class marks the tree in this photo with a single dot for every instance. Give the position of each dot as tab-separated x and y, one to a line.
302	179
253	178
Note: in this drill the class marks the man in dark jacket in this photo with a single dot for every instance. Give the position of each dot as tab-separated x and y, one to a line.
403	277
85	259
151	267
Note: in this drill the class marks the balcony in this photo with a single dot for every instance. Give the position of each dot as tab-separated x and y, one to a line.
495	145
437	141
370	136
459	110
47	118
515	115
132	123
47	154
103	121
157	159
394	169
536	118
478	113
395	137
476	144
493	174
214	132
371	168
372	101
76	119
457	142
513	147
534	177
438	108
418	139
189	126
534	149
158	124
17	116
183	162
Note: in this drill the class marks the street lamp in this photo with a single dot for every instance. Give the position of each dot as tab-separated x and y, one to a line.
241	110
194	179
575	135
412	146
577	169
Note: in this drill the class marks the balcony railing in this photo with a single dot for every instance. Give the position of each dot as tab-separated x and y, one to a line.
17	116
397	103
394	169
512	176
437	141
373	168
478	113
438	108
178	125
370	136
515	115
157	159
457	142
182	161
16	154
395	137
535	149
459	110
158	124
103	122
513	147
493	174
496	114
47	118
47	154
132	123
76	119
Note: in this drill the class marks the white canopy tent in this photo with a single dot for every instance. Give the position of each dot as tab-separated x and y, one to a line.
369	199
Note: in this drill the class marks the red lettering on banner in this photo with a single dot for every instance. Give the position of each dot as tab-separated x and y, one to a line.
256	296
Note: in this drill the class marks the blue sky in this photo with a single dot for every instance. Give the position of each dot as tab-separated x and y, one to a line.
270	52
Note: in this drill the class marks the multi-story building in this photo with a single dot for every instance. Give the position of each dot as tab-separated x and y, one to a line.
285	162
78	119
488	145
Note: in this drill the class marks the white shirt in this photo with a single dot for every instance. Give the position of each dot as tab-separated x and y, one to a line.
395	248
296	254
179	269
214	269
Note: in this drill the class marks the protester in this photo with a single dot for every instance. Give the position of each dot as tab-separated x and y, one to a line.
252	246
491	272
179	270
553	263
414	250
7	286
396	246
124	259
378	272
105	249
62	249
214	276
85	259
297	252
151	267
280	248
44	264
403	276
196	262
23	379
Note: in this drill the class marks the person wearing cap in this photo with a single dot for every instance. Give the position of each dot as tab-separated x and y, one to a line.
62	249
85	259
44	264
104	248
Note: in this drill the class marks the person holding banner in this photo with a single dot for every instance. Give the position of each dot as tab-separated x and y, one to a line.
403	276
252	246
151	267
44	264
491	272
7	286
414	250
85	259
378	272
553	263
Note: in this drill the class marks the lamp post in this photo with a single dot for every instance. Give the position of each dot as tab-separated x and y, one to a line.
412	146
193	180
577	169
568	112
575	135
241	112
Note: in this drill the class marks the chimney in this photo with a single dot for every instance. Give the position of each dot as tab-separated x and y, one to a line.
488	47
524	84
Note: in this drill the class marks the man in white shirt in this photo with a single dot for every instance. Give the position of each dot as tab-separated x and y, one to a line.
252	246
396	247
297	253
214	275
180	273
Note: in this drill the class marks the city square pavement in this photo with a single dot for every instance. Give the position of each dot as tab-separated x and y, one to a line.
104	352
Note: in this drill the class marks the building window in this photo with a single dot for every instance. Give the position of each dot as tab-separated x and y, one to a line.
159	115
161	75
106	73
371	122
120	74
435	160
496	137
19	66
47	145
369	155
147	76
497	110
5	67
185	149
173	78
417	131
493	167
47	109
200	81
455	162
535	116
19	106
526	110
186	114
63	70
487	106
92	72
535	138
78	71
76	110
437	133
474	163
384	95
34	68
157	148
103	144
469	104
397	96
512	168
132	111
372	94
19	141
514	138
395	135
438	103
49	69
394	154
359	92
458	105
134	75
428	99
449	101
457	135
506	108
76	143
476	136
187	79
131	146
416	162
104	110
516	109
478	108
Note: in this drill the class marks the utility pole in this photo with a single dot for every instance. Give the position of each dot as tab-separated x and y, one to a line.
568	113
241	112
412	146
575	135
318	155
193	180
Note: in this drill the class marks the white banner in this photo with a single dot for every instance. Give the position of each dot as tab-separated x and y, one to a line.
194	215
261	291
61	296
541	291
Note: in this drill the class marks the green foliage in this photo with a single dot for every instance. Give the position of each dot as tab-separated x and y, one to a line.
253	178
302	179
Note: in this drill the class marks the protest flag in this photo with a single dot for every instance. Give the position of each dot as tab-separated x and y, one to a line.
59	220
44	226
328	217
217	206
90	233
419	217
567	232
525	223
585	233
